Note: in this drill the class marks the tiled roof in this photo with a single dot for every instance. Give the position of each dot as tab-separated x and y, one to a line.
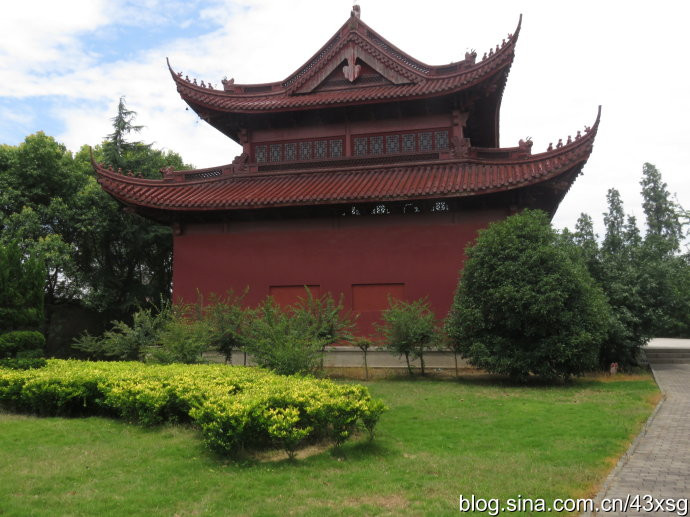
420	80
232	188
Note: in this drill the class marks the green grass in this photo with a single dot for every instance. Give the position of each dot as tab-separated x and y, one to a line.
440	439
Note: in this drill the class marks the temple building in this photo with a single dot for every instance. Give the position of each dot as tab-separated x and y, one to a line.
365	172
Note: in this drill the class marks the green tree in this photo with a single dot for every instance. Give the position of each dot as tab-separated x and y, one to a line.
585	238
665	273
620	279
526	303
125	260
21	290
96	255
664	228
116	145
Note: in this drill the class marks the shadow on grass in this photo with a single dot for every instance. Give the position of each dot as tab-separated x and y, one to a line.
357	450
494	380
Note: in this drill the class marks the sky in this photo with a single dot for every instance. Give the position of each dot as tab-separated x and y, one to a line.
64	65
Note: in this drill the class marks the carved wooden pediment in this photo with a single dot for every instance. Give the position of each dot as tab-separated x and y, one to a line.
348	63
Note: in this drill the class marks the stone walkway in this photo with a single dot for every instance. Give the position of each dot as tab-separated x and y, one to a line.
658	462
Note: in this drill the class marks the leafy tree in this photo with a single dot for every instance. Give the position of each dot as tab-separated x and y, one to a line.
614	219
116	145
620	279
408	329
585	238
21	290
664	229
526	304
21	304
95	253
665	274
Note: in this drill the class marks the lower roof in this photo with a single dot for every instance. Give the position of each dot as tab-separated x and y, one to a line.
233	187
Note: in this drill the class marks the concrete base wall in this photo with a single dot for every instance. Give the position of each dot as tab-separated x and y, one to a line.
349	357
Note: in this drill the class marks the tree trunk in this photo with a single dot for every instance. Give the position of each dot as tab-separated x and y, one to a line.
407	360
366	367
455	355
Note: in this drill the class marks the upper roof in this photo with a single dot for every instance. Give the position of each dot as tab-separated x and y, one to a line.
392	75
235	187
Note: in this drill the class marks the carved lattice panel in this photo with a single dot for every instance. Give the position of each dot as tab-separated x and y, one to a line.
290	152
305	150
360	146
376	145
260	153
321	149
392	144
441	140
275	152
336	148
408	143
425	141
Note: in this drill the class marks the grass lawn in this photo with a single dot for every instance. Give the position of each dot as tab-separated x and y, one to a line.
440	439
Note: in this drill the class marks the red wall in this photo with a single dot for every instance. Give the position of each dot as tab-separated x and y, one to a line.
369	256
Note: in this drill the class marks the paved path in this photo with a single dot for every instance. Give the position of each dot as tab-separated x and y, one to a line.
667	342
658	463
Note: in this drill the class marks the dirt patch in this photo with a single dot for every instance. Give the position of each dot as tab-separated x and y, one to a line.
389	502
619	377
280	455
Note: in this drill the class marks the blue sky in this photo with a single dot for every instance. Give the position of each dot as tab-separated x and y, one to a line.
65	64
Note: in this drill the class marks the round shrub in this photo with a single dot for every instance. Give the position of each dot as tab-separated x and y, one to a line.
22	344
525	303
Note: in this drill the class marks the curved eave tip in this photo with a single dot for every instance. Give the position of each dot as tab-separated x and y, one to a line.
596	122
93	160
170	68
517	29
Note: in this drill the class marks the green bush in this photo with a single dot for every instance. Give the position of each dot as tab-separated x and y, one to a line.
525	304
22	344
227	322
279	342
291	340
181	341
125	342
234	407
408	329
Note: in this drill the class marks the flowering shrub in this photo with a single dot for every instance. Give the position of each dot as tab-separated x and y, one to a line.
234	407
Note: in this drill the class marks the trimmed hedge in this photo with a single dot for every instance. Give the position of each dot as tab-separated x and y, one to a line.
23	364
234	407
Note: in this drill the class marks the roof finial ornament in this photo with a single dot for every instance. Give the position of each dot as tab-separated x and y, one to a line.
356	11
550	148
579	135
570	140
559	144
526	145
228	84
